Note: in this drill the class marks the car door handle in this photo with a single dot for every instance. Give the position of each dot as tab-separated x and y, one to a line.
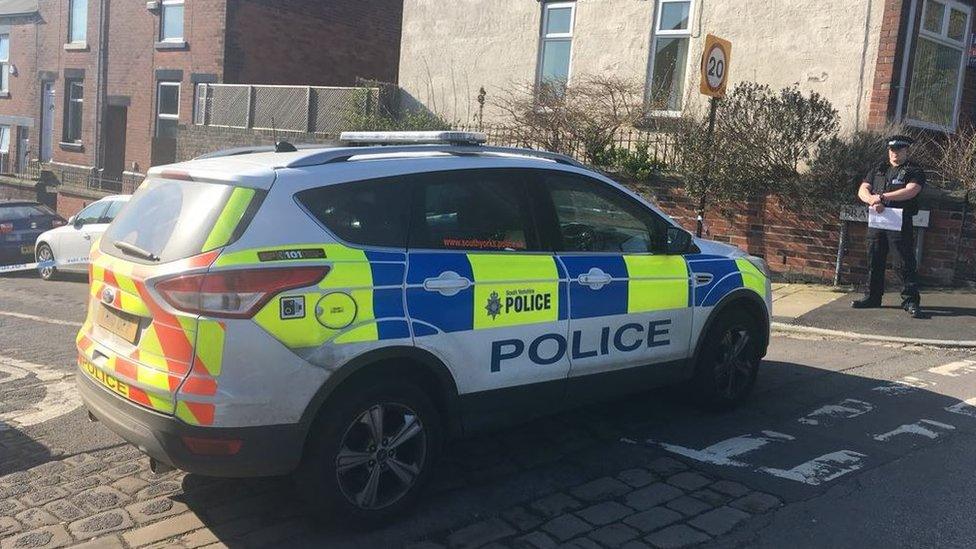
595	278
447	283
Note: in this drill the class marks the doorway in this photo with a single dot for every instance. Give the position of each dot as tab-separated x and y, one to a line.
115	123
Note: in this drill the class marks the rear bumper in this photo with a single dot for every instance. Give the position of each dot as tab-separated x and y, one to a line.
265	451
10	253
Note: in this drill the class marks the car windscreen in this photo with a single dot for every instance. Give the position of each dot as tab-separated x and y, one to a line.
23	211
167	218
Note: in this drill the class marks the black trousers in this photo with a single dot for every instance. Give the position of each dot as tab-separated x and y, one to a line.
903	243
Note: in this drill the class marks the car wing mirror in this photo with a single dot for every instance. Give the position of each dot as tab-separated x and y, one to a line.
679	241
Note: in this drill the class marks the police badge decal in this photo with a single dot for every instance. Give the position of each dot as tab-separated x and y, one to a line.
494	306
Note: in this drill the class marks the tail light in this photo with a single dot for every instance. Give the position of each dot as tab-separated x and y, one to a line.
6	228
237	293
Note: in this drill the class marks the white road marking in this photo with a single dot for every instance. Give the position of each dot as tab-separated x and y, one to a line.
60	394
846	409
917	428
822	469
953	369
723	452
41	319
966	407
907	384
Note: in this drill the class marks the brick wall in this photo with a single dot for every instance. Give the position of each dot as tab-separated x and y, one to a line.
328	43
194	141
137	63
803	245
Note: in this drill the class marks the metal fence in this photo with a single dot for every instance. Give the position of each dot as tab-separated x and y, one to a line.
309	109
10	166
661	147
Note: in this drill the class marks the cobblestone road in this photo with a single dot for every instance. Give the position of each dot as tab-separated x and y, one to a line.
647	471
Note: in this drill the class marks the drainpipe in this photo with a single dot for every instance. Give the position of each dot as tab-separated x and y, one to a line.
100	80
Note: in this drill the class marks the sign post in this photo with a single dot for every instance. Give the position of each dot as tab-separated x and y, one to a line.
714	80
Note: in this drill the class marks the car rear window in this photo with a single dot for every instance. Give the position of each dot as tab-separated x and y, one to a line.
23	211
369	213
171	219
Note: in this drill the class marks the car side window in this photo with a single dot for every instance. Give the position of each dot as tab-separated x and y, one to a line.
114	207
474	210
594	217
91	214
368	213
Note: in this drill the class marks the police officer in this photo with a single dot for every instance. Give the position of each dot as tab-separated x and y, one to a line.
893	184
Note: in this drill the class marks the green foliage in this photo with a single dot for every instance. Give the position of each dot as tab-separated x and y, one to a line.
637	164
763	141
365	113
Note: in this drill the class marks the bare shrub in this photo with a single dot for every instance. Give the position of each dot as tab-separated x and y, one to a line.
585	114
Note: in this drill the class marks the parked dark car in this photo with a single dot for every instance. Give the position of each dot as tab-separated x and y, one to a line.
21	222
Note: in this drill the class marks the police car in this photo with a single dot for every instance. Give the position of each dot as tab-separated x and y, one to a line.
343	312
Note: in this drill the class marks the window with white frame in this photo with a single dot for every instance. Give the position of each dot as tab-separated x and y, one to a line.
73	109
167	109
77	21
4	139
669	55
939	65
555	45
171	21
4	63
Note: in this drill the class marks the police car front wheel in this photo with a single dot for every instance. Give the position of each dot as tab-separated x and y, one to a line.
372	452
727	367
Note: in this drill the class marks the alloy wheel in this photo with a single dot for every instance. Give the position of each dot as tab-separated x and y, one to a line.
735	365
44	254
381	456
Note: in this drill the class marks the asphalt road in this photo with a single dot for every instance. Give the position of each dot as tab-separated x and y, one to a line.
844	444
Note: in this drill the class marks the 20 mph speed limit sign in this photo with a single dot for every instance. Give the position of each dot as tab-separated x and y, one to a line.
715	66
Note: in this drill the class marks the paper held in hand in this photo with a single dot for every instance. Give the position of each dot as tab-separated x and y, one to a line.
890	219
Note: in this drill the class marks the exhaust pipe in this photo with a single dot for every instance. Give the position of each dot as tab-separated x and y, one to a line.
158	468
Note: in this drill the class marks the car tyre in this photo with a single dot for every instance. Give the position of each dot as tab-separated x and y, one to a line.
370	452
729	361
44	253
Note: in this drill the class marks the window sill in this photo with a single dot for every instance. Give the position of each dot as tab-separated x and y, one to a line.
76	46
171	45
70	146
929	125
4	95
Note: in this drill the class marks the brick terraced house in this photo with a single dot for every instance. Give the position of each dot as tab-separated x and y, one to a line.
95	89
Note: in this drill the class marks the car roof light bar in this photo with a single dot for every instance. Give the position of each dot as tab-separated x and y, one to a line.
414	138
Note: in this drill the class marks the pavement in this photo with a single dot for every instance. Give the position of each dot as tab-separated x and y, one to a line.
845	443
949	315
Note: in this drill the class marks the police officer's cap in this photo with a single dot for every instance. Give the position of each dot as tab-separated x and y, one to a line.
899	141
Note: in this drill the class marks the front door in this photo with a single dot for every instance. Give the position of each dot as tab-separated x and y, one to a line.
485	296
115	122
47	122
630	313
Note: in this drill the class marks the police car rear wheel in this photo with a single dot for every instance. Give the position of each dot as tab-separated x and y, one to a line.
44	253
727	368
373	453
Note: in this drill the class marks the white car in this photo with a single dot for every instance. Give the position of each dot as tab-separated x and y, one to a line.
68	246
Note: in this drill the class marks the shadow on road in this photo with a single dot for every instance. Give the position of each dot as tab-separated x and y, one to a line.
492	474
19	452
